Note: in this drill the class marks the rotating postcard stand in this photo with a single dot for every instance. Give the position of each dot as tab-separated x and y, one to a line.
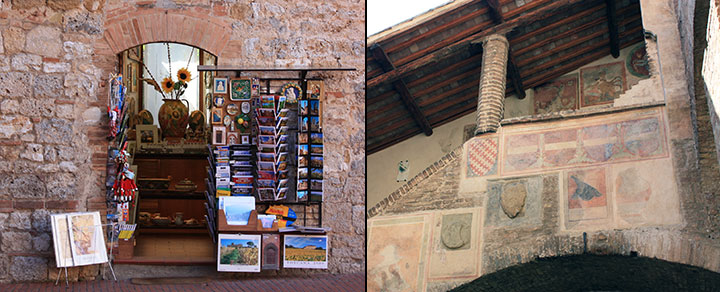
78	240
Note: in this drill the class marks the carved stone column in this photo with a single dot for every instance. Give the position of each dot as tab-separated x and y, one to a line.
491	96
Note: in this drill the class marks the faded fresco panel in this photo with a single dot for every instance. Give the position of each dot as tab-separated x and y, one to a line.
396	252
514	202
522	152
587	197
482	156
602	84
557	95
560	147
455	246
642	188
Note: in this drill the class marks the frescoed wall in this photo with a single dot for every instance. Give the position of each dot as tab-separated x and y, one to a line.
602	160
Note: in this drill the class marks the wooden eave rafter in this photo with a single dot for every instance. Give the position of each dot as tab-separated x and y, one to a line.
612	19
463	43
401	88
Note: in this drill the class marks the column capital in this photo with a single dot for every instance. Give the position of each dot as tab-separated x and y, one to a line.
495	37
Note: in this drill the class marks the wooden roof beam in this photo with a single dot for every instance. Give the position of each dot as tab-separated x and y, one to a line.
611	13
457	46
402	89
495	12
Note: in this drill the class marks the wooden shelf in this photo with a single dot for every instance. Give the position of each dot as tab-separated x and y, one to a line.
172	229
171	194
140	155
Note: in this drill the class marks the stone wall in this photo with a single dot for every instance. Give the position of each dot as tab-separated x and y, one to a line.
627	182
55	59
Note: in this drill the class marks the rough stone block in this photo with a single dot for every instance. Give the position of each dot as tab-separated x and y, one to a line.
55	131
24	268
25	62
19	220
44	41
16	84
41	220
25	186
27	4
41	242
16	241
61	186
33	152
48	86
14	39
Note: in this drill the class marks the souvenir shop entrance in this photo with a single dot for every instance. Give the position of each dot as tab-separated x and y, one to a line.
227	162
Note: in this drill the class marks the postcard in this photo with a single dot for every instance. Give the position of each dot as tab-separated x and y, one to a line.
282	148
266	157
303	138
305	251
303	107
265	130
316	184
281	194
316	173
281	165
314	107
303	122
302	184
266	183
302	196
282	183
302	161
267	101
315	124
266	166
266	121
316	149
282	122
266	113
266	140
282	157
283	174
238	253
316	138
302	172
316	196
266	194
266	175
316	161
237	209
303	149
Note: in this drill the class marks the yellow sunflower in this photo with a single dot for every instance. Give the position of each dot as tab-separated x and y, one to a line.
184	75
167	84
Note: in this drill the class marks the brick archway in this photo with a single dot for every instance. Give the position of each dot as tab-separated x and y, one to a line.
126	29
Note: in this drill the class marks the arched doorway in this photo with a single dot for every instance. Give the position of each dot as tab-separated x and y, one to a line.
597	273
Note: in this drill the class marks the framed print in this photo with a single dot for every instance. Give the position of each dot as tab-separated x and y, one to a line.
303	124
218	135
208	79
220	85
245	139
316	89
87	242
146	134
216	117
241	88
302	196
238	253
305	251
291	91
61	240
219	100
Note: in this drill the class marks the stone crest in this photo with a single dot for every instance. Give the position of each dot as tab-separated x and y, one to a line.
455	232
512	198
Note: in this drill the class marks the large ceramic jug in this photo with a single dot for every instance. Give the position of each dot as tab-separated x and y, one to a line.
173	118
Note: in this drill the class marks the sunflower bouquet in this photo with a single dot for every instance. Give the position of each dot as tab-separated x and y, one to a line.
176	88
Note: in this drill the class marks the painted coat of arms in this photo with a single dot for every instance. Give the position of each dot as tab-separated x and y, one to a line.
602	84
482	157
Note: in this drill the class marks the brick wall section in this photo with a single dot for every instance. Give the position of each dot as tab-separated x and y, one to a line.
409	191
55	59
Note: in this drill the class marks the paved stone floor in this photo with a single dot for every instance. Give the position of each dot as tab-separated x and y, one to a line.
348	283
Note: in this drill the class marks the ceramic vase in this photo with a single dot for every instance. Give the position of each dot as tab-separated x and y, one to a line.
173	118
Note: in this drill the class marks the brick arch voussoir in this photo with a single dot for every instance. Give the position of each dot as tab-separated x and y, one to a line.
127	31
